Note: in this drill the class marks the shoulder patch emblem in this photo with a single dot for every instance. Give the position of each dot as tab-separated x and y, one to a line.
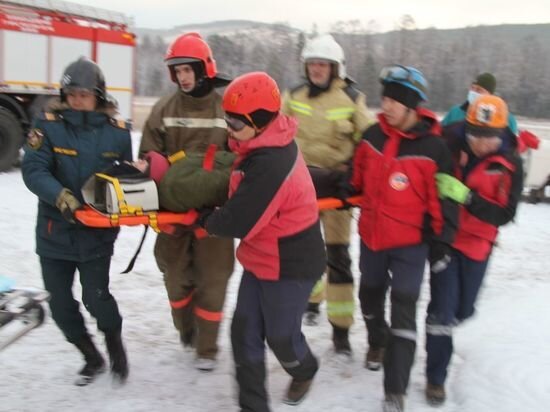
35	137
399	181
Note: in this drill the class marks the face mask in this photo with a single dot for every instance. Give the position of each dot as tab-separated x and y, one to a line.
472	96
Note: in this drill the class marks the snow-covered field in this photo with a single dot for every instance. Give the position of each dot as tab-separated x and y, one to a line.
502	360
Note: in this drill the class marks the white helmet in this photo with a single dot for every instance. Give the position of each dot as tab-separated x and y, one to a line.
324	47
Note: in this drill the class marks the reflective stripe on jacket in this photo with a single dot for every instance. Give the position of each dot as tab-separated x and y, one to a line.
182	122
330	124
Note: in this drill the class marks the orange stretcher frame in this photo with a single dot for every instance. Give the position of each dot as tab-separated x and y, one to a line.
94	218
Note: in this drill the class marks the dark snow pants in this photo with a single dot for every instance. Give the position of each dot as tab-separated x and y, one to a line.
269	311
58	278
453	295
402	269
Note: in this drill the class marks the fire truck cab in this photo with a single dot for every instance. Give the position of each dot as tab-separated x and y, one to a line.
38	39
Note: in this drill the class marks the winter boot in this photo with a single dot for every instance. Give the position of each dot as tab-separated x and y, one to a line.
95	364
205	364
297	391
394	403
374	358
311	317
340	339
117	355
435	394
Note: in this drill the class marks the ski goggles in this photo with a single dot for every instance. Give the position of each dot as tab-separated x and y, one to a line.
236	124
396	72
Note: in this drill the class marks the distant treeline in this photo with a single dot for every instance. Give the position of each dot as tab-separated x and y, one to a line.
518	55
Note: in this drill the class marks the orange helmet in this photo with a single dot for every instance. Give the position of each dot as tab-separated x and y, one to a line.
250	92
487	115
189	48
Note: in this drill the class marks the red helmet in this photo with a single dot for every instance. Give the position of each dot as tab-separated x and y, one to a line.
250	92
189	48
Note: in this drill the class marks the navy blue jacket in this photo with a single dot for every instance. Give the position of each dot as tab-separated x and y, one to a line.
63	150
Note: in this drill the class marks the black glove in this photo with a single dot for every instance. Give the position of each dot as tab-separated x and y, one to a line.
345	190
204	213
67	204
439	256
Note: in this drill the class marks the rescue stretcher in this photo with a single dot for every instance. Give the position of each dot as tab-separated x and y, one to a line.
89	216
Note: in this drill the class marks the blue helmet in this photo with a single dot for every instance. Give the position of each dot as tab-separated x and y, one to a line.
406	76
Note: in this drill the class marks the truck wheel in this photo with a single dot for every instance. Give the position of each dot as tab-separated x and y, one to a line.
11	139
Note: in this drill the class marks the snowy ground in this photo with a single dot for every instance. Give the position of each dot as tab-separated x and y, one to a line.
502	360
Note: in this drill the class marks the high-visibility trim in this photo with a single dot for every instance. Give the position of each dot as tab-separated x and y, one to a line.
178	304
176	156
290	365
340	113
193	123
64	151
404	333
319	287
300	107
340	308
208	315
439	330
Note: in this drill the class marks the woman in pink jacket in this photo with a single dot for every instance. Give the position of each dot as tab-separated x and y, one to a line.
272	208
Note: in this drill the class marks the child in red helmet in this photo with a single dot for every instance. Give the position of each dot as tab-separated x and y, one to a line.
272	208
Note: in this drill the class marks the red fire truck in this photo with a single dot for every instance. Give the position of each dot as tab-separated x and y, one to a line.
38	38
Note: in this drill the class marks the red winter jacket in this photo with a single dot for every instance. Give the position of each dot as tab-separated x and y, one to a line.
495	183
272	207
395	171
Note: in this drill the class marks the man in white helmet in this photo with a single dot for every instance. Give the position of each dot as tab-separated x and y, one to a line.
332	115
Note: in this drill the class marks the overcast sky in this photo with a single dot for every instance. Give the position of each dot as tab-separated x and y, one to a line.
303	13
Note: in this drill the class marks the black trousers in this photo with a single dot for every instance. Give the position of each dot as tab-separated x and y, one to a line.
272	312
58	278
401	270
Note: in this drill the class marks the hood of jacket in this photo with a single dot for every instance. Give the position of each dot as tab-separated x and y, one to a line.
81	118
